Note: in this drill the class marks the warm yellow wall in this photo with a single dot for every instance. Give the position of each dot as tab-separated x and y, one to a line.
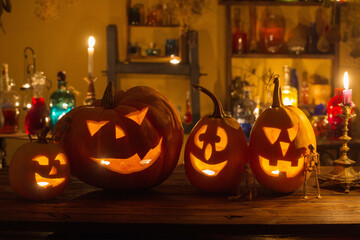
62	45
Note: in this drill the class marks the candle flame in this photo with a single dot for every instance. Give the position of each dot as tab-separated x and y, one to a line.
346	81
91	42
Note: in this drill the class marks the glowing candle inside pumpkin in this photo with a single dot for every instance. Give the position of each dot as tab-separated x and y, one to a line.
347	93
91	43
208	172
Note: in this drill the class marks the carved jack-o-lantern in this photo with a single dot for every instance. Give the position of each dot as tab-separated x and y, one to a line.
278	144
128	141
39	170
216	151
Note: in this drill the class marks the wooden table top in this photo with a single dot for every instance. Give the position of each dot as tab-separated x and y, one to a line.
175	206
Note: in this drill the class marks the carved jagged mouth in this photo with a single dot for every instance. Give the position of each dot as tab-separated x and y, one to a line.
48	182
131	164
210	170
282	166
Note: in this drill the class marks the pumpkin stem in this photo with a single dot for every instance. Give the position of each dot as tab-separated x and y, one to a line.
277	96
42	135
108	100
218	108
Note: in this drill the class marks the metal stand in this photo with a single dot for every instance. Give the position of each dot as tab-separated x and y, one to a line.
343	172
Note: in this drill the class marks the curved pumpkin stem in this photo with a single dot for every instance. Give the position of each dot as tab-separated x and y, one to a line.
108	100
277	96
218	108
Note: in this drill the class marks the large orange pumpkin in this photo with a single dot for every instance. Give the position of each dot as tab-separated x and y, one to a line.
39	170
130	140
216	151
278	143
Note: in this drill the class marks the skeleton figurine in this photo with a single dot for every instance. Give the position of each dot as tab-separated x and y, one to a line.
312	163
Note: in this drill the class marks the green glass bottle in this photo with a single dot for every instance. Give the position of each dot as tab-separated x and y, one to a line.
61	101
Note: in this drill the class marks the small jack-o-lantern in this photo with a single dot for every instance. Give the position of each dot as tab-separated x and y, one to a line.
279	141
216	151
127	141
39	170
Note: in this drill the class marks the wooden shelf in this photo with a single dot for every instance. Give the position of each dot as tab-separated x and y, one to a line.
273	3
191	69
154	26
260	55
333	55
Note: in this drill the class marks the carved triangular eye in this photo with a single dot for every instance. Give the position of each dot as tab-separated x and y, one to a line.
293	132
138	116
272	134
94	126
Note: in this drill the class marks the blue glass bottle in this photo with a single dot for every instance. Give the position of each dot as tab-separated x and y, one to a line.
243	111
61	101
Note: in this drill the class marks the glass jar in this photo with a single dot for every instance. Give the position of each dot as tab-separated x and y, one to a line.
9	102
61	101
272	30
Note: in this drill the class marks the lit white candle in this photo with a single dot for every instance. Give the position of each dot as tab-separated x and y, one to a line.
347	93
91	55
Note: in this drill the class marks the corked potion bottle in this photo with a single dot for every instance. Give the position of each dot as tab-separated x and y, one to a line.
38	115
9	102
61	101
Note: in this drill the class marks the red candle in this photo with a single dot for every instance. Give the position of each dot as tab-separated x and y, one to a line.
347	93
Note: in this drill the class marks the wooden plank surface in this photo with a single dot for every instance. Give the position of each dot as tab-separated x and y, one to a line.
176	205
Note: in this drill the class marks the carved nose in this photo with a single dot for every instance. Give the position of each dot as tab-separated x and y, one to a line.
208	152
284	147
53	171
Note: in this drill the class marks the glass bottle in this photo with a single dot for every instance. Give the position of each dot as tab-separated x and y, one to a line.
239	37
304	96
289	93
188	115
272	30
61	101
38	115
10	102
243	111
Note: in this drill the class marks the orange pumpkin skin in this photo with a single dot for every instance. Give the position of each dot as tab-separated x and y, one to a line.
134	124
279	141
216	151
34	161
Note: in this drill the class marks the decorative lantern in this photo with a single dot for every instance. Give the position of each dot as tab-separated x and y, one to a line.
279	141
333	109
216	150
39	170
124	142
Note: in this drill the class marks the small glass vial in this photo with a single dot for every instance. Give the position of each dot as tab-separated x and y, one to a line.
10	102
289	93
61	101
188	115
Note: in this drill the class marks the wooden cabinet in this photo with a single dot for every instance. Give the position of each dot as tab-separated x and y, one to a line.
327	62
191	69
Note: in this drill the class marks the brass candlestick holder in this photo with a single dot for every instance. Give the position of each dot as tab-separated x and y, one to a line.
90	95
343	172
